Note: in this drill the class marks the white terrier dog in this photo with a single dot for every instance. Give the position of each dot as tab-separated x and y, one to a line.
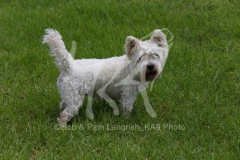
117	78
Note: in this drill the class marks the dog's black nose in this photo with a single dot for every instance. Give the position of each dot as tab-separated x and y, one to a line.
150	67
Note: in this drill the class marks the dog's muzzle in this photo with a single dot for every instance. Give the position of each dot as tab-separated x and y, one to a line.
151	72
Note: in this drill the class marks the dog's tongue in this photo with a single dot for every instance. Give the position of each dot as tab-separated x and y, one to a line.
151	75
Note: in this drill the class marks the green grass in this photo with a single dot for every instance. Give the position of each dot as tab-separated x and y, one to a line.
198	94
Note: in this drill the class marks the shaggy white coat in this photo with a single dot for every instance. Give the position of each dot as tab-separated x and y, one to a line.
117	78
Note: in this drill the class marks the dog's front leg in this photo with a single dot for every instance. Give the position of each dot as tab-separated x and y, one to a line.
127	99
126	110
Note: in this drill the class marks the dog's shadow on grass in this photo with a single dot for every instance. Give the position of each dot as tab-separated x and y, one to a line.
102	112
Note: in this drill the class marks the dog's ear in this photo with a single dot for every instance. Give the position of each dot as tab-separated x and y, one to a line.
131	45
159	38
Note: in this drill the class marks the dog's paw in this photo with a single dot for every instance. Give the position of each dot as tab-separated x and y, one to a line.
62	123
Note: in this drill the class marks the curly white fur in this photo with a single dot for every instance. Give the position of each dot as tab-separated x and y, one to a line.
113	78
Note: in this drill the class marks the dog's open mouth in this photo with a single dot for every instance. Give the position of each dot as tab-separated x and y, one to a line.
151	75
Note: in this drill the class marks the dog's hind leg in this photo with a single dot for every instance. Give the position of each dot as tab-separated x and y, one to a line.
71	109
62	105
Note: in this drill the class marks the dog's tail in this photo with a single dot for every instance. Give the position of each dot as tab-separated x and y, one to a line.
63	58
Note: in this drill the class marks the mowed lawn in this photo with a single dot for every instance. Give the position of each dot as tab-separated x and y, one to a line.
197	99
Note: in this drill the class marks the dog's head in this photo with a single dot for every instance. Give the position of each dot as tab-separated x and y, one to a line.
148	56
